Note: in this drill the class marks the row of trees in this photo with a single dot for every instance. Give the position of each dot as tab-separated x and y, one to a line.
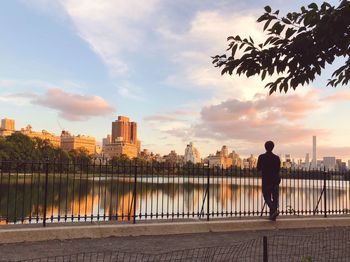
19	147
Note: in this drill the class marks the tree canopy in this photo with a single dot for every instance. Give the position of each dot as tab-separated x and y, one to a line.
19	147
297	47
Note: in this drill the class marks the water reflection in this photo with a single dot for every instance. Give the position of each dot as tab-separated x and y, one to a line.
72	198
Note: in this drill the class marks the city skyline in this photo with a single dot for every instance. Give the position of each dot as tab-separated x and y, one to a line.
78	71
124	135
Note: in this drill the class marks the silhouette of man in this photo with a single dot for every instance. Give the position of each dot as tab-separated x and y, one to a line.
270	164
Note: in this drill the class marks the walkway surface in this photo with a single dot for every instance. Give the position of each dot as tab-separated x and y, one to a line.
147	243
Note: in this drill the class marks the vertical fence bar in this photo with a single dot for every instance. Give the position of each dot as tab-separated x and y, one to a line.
46	185
135	184
325	192
208	195
265	254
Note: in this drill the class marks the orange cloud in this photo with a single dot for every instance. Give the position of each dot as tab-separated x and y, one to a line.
73	107
259	119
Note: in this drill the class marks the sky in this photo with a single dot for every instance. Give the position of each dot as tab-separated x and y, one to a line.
78	64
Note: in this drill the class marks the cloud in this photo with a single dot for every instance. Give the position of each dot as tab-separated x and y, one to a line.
73	107
206	36
175	123
127	90
339	96
112	28
265	117
177	115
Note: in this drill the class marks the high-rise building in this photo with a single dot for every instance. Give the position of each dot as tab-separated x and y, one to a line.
43	135
329	163
192	154
173	158
307	161
236	160
106	141
70	142
8	124
123	139
224	151
124	130
7	127
314	155
252	161
220	159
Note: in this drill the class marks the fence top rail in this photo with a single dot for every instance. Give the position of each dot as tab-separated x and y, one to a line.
136	163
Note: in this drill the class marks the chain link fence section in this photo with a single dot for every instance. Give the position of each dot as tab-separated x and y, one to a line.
247	251
332	245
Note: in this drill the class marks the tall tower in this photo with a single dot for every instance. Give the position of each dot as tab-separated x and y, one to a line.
124	130
133	132
8	124
307	161
120	128
314	155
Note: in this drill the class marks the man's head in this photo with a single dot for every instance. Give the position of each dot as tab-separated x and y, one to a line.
269	145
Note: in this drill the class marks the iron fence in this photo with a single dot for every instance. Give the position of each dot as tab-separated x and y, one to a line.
48	192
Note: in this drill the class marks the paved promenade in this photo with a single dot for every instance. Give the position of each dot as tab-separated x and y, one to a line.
162	240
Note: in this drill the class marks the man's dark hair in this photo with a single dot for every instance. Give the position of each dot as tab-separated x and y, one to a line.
269	145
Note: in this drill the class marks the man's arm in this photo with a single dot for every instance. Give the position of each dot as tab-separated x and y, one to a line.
259	165
279	165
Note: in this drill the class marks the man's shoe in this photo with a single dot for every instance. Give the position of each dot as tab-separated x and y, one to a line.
274	215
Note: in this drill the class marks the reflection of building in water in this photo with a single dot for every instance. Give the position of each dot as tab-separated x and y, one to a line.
44	135
7	127
123	140
70	142
192	154
87	205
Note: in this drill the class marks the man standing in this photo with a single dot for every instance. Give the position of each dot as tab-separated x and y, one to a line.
270	164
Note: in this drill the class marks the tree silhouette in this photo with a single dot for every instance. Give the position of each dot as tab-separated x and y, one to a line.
297	48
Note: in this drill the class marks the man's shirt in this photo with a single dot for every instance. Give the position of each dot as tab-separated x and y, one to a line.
269	164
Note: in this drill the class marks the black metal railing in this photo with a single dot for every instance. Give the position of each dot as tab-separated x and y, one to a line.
47	192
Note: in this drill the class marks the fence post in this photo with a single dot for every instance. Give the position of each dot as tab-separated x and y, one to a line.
325	192
208	194
135	184
265	255
46	186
